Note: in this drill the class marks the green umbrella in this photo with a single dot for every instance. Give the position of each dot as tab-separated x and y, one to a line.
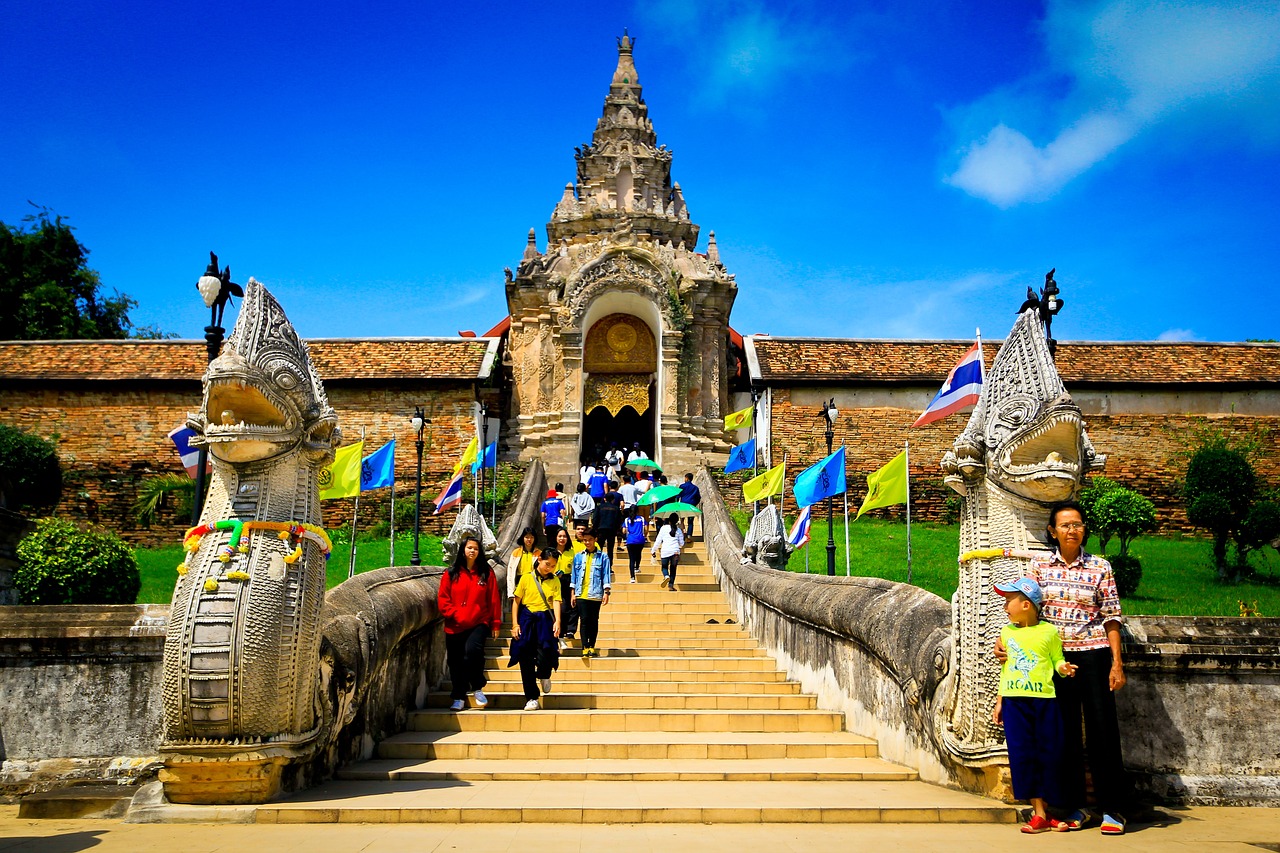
658	494
682	510
644	463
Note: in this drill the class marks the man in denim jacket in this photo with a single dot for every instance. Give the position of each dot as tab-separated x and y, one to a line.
592	577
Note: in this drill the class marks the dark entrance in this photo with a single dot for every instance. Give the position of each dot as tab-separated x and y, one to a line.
601	430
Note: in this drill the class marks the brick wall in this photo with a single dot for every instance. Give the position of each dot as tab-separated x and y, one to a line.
112	437
1142	449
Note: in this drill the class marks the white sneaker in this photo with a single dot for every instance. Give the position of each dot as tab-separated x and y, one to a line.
532	705
633	578
545	684
563	645
665	580
457	705
479	699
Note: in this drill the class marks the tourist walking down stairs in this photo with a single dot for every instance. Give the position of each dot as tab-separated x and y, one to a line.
592	578
471	604
535	628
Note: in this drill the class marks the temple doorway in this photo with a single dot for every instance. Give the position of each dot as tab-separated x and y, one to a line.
620	364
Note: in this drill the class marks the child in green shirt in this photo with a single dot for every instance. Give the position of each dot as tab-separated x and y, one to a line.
1027	705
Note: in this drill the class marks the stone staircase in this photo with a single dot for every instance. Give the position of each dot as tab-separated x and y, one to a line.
682	719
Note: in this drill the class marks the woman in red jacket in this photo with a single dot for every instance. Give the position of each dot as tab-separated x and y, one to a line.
471	605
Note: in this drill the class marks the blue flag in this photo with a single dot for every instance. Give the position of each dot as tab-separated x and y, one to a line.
377	470
743	456
488	459
822	480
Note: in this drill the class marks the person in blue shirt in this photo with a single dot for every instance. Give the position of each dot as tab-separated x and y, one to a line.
636	530
552	513
690	494
592	577
599	483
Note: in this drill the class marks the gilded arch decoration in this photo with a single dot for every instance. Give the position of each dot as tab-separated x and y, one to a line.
620	343
617	391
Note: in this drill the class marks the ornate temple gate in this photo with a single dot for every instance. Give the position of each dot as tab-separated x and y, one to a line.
620	364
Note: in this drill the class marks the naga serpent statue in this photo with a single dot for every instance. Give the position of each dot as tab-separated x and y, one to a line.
766	540
242	653
1024	447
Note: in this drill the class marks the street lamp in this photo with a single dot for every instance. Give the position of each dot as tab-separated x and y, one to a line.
216	288
484	446
419	420
829	415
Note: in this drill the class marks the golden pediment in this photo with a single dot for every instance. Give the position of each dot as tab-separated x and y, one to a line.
620	343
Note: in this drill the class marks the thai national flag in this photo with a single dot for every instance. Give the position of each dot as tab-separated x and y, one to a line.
962	388
451	496
800	530
190	455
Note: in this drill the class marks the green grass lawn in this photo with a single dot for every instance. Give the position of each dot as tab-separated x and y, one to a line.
1178	578
158	566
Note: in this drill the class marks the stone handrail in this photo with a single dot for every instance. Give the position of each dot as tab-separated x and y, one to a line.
879	651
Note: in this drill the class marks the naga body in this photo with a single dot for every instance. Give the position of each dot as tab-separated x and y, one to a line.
241	657
1024	447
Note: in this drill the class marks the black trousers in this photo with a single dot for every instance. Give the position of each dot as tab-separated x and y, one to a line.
590	621
1087	698
608	541
535	663
550	532
464	652
634	552
568	615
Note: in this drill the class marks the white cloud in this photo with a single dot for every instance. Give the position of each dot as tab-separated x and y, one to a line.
1178	335
1134	64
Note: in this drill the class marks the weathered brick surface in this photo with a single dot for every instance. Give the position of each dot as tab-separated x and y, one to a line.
1144	451
113	436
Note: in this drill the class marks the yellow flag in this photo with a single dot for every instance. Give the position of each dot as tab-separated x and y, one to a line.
738	420
767	484
887	486
342	478
468	455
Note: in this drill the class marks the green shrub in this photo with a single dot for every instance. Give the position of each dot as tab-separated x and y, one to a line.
1089	497
1261	526
30	476
1127	569
58	563
1124	514
1219	490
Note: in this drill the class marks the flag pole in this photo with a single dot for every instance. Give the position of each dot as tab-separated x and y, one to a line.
848	566
355	518
907	450
393	509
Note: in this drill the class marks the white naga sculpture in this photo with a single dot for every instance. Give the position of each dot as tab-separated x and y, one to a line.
1025	447
766	540
241	657
469	524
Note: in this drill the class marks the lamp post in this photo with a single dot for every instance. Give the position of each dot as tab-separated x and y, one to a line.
418	421
829	415
216	288
484	446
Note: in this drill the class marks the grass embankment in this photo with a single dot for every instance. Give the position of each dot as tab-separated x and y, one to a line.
158	565
1178	577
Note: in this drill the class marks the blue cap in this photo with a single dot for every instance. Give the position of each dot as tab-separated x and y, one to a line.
1025	586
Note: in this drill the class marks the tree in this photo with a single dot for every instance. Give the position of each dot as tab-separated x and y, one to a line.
30	475
1111	510
1221	492
48	290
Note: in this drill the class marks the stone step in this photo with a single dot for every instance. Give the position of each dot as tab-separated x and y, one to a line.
641	666
671	681
624	640
508	681
610	648
663	627
695	631
101	802
631	770
546	801
558	700
628	720
500	746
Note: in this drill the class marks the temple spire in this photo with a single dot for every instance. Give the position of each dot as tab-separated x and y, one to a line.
623	172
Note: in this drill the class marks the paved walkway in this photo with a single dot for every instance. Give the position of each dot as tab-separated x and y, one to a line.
1195	829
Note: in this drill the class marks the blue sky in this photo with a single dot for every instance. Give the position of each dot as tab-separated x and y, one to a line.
871	169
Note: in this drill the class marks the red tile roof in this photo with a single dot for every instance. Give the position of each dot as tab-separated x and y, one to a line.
784	360
334	359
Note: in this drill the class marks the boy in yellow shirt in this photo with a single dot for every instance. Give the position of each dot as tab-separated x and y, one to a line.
1027	705
535	626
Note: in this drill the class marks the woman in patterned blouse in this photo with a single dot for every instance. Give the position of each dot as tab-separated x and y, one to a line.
1081	601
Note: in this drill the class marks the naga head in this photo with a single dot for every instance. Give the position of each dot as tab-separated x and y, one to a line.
766	540
1025	435
262	396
